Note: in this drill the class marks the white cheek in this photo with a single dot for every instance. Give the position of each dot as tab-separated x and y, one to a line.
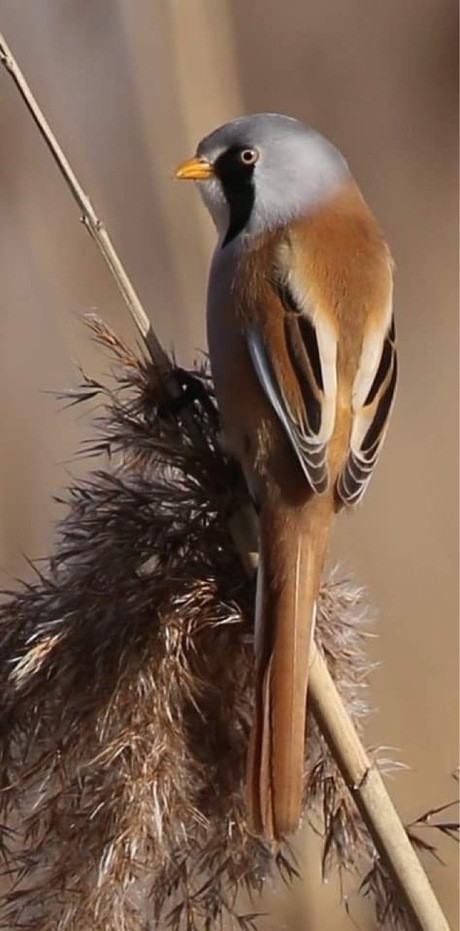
214	199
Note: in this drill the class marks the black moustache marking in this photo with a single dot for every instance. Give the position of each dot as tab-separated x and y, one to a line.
237	182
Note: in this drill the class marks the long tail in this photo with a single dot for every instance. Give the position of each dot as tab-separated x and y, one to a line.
293	546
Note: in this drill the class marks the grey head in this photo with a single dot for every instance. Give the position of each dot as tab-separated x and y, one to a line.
267	169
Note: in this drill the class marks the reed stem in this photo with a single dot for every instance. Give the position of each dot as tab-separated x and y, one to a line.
360	774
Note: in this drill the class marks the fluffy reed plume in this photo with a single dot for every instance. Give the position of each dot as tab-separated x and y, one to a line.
127	685
127	677
126	689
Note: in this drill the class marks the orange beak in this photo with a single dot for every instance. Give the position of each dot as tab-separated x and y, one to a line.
194	169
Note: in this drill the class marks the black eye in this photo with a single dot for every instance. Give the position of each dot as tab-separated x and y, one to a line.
249	156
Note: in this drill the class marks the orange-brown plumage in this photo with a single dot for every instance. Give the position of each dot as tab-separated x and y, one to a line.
304	366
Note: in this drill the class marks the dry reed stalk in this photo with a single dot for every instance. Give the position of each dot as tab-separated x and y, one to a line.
39	652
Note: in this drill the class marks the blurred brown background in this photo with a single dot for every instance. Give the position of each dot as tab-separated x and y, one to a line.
130	86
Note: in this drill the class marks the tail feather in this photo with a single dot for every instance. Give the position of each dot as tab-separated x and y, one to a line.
292	552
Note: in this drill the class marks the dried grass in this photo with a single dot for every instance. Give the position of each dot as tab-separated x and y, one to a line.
127	682
126	688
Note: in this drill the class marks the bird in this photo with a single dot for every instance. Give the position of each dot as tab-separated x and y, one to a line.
302	350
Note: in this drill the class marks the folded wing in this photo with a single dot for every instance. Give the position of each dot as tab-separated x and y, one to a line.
298	375
372	399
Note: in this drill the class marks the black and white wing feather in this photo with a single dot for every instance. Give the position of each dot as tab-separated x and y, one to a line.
372	400
310	373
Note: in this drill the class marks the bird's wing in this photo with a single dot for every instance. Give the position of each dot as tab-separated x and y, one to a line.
372	398
294	355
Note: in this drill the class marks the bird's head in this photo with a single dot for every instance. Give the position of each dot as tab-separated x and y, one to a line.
261	171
